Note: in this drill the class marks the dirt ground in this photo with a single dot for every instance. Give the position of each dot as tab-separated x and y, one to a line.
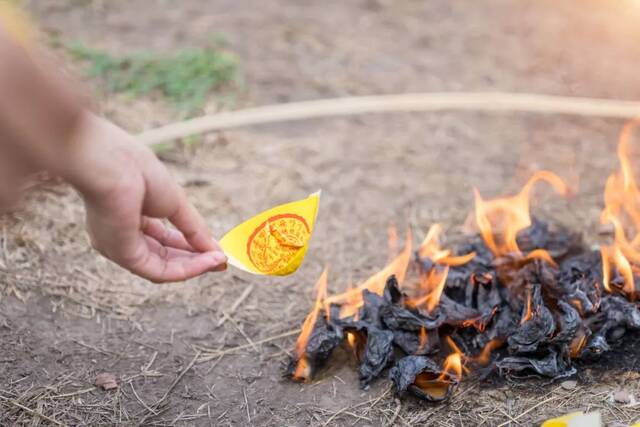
66	314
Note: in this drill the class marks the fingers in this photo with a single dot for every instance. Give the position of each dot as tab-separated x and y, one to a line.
177	268
166	241
164	235
166	199
187	219
163	264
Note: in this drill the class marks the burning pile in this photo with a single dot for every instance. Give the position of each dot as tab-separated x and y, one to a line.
520	298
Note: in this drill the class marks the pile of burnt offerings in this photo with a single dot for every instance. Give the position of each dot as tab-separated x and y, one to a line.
518	299
515	315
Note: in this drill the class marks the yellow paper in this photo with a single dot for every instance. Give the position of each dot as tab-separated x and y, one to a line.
275	241
562	421
576	419
15	22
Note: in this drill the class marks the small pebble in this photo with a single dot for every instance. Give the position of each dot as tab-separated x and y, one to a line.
622	396
106	381
568	385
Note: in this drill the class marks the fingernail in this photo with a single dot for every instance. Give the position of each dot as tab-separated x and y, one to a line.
219	257
220	267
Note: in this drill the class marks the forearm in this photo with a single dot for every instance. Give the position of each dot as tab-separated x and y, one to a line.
38	114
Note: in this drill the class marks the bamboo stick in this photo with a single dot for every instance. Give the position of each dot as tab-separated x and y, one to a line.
410	102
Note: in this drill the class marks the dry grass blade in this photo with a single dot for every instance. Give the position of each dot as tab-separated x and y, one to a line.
227	315
33	412
154	408
542	402
218	353
344	410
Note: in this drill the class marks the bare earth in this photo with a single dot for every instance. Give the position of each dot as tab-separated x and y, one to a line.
66	314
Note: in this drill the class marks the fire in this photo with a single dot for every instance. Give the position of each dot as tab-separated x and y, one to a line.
431	288
526	316
624	267
622	210
541	254
432	282
424	340
302	368
453	363
480	323
430	248
351	300
351	339
356	341
437	386
506	217
485	355
576	346
606	268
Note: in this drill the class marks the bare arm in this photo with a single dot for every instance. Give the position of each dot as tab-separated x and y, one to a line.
127	190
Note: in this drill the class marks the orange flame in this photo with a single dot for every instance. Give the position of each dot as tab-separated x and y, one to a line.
622	206
453	362
480	322
506	217
351	339
431	287
541	254
485	355
424	340
351	300
526	316
577	304
606	268
576	346
302	368
453	365
430	248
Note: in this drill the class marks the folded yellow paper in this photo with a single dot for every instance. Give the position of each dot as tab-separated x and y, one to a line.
15	22
576	419
275	241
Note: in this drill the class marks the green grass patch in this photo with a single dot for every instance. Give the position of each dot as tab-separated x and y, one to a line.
186	78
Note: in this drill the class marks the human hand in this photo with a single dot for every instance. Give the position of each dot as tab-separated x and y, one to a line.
127	192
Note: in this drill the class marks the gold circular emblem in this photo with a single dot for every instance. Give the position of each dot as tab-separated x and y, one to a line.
275	242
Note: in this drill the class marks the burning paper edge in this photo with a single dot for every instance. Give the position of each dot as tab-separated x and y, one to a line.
232	260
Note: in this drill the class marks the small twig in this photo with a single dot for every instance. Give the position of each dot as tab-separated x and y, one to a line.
214	364
148	365
375	401
173	385
94	348
246	404
33	412
331	418
178	378
395	413
246	337
503	412
142	402
217	353
223	414
347	408
227	314
75	393
533	407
